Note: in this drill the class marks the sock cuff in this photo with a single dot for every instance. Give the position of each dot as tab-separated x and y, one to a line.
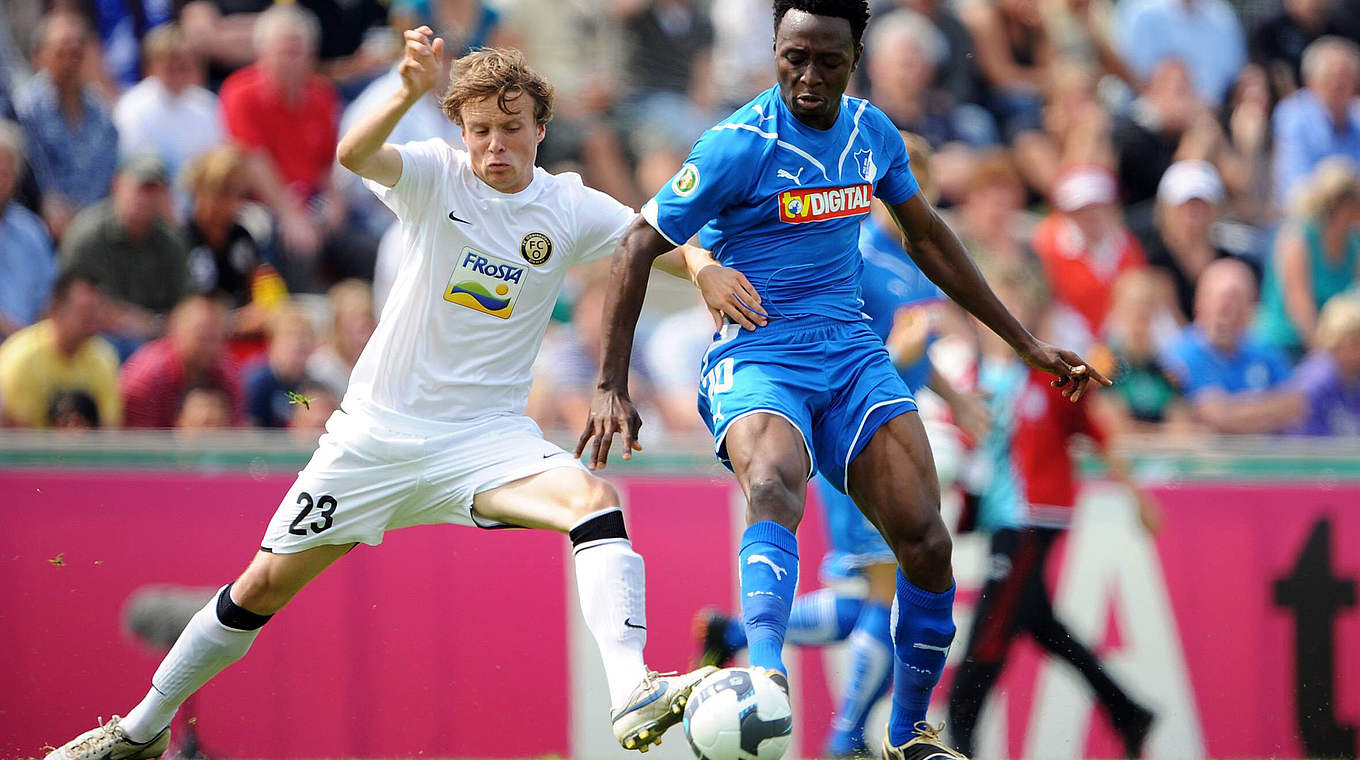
922	599
233	615
770	532
599	526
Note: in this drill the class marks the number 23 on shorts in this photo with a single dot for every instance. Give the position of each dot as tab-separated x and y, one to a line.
324	506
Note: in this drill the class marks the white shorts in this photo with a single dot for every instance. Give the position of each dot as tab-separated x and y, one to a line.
366	479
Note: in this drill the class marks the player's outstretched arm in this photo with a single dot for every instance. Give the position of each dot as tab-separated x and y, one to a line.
362	149
611	410
937	251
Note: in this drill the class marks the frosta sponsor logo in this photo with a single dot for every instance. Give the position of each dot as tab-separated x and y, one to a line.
485	284
811	204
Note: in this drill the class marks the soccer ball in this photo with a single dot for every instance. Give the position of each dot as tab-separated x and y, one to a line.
738	714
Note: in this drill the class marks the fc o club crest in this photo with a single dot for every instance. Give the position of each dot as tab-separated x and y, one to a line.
536	248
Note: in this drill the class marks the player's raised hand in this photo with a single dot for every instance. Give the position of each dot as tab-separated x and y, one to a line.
419	67
611	413
1073	372
728	293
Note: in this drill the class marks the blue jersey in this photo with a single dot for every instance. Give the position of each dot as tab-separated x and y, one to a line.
782	202
892	280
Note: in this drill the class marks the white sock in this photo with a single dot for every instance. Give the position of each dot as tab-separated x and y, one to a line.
611	581
204	648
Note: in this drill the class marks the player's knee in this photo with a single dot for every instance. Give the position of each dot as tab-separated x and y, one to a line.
258	593
769	497
925	547
598	494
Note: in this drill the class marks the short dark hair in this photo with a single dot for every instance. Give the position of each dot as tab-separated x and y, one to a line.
61	289
73	402
854	11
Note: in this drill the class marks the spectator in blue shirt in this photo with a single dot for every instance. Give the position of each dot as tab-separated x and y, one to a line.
1320	120
26	256
73	145
1234	383
271	385
1204	33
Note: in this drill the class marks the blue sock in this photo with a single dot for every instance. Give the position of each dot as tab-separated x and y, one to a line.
871	669
768	563
823	617
923	628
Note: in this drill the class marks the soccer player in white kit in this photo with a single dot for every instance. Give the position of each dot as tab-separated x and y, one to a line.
431	429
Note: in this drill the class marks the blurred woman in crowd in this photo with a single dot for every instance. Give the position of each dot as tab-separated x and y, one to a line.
1330	377
1013	51
1143	399
352	323
1315	257
224	258
1180	245
990	217
1084	244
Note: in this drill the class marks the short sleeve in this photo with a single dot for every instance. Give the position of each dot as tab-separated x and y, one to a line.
1177	368
712	176
898	184
421	163
600	222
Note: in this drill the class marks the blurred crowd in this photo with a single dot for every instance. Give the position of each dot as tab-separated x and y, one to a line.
179	249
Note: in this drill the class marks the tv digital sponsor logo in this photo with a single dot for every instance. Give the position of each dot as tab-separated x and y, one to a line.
817	204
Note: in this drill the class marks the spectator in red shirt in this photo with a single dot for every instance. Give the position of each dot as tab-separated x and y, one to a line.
281	107
1084	244
193	354
286	113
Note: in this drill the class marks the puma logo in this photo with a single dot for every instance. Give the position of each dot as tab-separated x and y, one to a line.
784	174
761	559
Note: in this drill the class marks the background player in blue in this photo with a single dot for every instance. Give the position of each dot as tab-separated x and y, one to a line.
860	569
780	188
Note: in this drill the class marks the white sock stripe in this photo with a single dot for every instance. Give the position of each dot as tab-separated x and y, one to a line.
592	516
600	542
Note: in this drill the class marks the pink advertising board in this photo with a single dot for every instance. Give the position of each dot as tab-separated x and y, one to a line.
1242	610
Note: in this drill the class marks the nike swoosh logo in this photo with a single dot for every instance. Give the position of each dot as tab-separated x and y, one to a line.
453	217
628	623
553	454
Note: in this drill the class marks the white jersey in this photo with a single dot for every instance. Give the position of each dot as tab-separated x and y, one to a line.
477	283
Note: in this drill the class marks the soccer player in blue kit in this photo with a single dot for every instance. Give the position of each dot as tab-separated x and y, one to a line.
779	189
860	569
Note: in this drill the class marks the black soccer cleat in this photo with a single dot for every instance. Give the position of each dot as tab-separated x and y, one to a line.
925	744
710	629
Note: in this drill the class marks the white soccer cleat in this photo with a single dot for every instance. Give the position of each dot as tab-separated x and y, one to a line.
654	706
110	742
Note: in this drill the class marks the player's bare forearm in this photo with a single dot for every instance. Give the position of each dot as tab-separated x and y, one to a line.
640	245
937	251
941	256
362	149
683	262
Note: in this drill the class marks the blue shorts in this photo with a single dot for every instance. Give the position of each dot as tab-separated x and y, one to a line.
831	380
855	542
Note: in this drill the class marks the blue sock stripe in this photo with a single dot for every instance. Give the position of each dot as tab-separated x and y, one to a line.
770	532
908	593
